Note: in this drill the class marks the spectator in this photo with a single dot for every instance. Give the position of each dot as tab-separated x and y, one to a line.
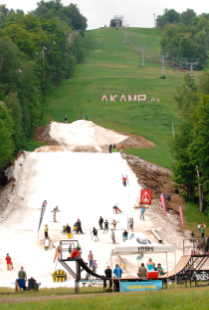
87	117
94	266
155	268
90	258
203	232
106	226
101	221
46	230
95	232
142	214
65	119
150	264
79	228
113	236
142	271
199	227
33	284
80	115
9	262
204	225
68	230
118	271
160	269
114	223
22	274
110	148
108	273
121	148
125	235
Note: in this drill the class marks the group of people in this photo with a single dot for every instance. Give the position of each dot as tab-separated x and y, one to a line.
86	116
22	275
202	228
142	272
112	148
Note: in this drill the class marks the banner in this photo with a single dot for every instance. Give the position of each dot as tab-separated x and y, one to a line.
146	196
141	286
163	203
42	213
181	215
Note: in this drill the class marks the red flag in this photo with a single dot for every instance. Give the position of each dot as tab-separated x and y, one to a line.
163	203
181	215
146	196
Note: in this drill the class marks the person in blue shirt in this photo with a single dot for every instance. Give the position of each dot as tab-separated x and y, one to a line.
142	213
118	271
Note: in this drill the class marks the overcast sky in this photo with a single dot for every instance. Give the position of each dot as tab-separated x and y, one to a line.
136	13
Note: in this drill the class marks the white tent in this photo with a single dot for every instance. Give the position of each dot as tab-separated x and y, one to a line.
140	245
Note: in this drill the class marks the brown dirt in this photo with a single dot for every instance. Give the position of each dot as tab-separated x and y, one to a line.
42	135
135	141
156	178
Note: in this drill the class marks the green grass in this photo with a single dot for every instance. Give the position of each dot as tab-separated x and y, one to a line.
180	299
32	145
111	67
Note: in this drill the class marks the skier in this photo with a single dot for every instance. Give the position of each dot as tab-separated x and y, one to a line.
101	221
68	230
9	262
113	236
79	229
106	226
116	209
95	233
46	229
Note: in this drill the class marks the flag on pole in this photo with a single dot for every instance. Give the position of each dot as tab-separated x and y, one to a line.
163	202
181	215
42	214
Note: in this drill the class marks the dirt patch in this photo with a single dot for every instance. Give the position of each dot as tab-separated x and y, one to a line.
135	141
42	134
156	178
48	148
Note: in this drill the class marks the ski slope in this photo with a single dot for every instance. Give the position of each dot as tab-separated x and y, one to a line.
84	186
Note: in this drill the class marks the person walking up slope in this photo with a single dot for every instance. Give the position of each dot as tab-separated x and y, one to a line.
9	262
95	233
101	221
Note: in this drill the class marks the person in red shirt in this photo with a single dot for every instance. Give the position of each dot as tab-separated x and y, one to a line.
9	262
75	254
121	148
124	178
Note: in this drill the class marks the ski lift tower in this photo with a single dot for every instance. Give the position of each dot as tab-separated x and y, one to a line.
191	62
143	48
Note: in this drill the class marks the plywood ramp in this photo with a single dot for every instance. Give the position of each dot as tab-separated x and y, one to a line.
179	267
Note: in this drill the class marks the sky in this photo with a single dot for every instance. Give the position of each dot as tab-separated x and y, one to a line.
135	13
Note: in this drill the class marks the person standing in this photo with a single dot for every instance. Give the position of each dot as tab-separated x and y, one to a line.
204	225
87	117
118	271
142	213
90	258
199	227
94	266
68	231
95	233
80	115
101	221
114	223
46	230
22	274
113	236
79	228
124	178
106	226
65	119
203	232
131	223
108	273
121	148
9	262
110	148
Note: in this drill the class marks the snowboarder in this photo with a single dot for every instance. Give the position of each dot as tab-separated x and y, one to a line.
116	209
56	209
46	229
68	230
79	229
101	221
95	233
106	226
110	148
9	262
113	236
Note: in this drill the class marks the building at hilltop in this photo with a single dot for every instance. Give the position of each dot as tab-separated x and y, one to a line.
116	21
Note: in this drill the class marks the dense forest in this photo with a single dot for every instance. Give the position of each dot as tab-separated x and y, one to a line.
37	51
184	35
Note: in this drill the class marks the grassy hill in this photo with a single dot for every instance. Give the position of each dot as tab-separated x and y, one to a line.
112	67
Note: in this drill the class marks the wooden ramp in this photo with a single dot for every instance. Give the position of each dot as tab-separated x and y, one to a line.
179	267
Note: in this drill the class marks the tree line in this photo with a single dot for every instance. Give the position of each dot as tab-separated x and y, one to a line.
37	51
184	35
191	144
